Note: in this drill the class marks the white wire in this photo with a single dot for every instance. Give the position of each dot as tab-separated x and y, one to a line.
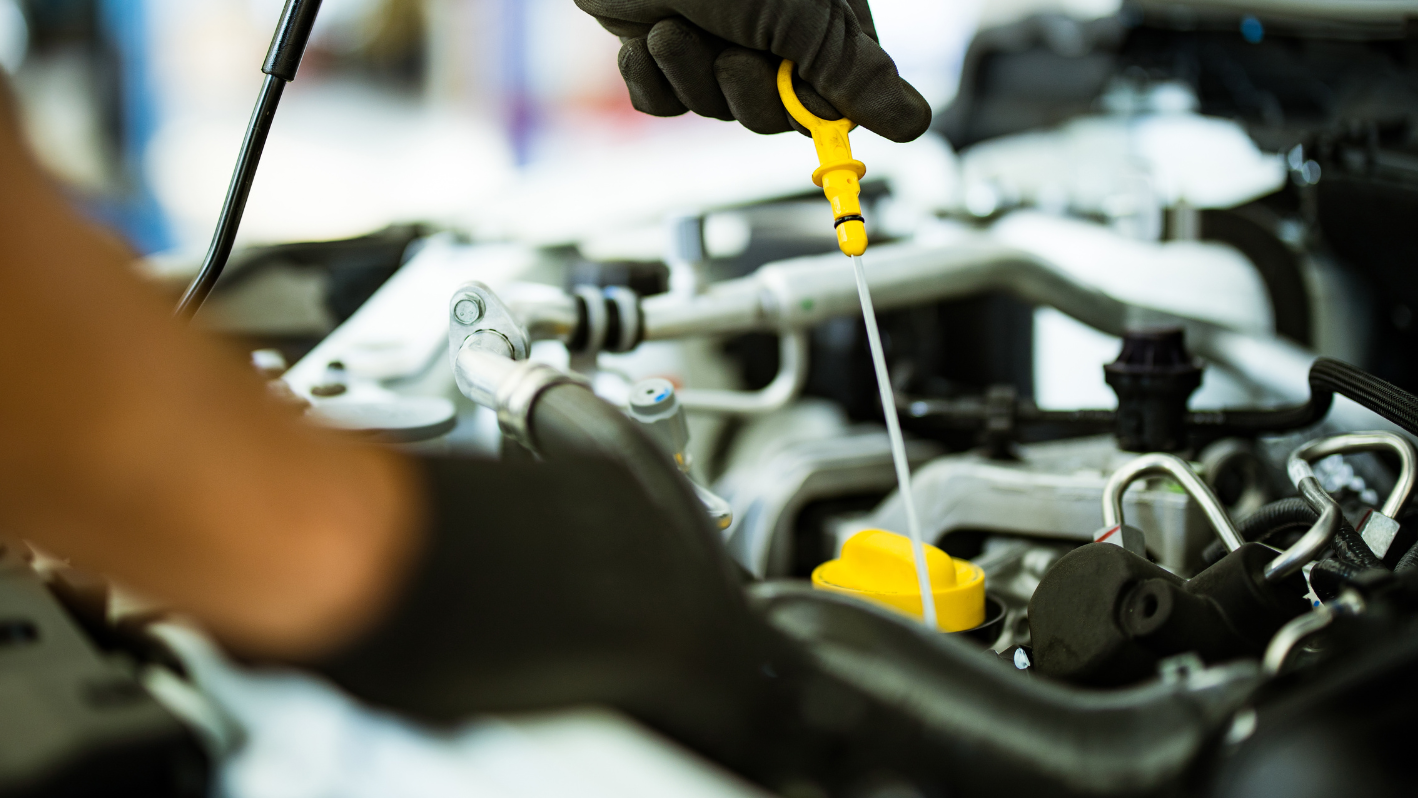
898	446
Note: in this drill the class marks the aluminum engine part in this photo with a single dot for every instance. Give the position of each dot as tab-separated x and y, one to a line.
791	458
1054	490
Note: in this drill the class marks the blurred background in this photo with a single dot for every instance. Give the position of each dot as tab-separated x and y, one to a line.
405	110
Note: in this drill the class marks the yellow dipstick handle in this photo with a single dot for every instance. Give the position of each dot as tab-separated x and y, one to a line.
840	174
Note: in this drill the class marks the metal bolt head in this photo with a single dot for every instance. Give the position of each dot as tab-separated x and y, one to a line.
468	310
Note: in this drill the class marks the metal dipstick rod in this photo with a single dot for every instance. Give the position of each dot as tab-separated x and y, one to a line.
898	445
838	177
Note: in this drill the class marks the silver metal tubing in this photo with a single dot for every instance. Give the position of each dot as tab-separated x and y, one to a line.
1290	636
1159	464
792	374
1370	442
1312	542
806	291
802	292
508	386
547	312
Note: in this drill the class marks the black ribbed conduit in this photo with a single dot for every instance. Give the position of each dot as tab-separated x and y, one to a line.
1327	378
1408	561
1295	515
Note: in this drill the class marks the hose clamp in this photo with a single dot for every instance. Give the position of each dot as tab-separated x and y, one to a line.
627	305
518	392
597	318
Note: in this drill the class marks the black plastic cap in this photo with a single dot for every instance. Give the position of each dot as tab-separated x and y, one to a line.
1157	350
292	35
1154	378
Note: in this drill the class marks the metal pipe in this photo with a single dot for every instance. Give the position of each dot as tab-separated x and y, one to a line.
1159	464
1312	542
548	313
1290	636
785	387
1370	442
1299	628
510	387
803	292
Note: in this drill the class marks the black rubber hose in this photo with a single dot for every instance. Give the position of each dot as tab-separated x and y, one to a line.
1408	562
1276	518
282	62
1327	378
1330	576
1292	515
1349	546
571	421
983	725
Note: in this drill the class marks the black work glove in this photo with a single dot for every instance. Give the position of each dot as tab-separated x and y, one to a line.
719	58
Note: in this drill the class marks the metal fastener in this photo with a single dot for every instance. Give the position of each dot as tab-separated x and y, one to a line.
468	310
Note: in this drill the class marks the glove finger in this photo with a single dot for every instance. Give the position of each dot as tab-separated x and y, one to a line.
650	92
862	11
624	28
685	55
748	79
834	51
851	71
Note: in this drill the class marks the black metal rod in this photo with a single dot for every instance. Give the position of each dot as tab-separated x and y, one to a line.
282	62
237	193
292	34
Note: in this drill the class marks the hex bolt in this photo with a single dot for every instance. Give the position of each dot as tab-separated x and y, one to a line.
469	310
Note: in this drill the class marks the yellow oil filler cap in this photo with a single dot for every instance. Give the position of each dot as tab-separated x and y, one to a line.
876	565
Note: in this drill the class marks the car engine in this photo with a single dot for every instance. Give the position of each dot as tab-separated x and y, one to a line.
1149	323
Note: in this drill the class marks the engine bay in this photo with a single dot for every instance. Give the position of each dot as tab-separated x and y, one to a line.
1148	326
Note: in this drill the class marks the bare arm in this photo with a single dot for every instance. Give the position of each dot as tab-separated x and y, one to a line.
142	450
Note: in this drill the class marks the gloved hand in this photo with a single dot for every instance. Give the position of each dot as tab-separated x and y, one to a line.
719	58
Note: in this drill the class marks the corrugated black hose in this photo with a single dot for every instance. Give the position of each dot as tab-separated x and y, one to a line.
1408	562
1296	515
1327	378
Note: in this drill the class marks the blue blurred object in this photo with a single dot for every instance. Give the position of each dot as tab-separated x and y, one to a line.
1252	30
136	211
520	104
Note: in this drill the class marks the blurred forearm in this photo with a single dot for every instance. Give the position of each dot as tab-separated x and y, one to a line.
140	449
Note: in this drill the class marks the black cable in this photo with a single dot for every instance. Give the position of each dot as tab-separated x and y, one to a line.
282	63
1408	562
1296	515
1327	378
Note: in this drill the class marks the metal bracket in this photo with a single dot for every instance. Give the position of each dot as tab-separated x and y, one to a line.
478	317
